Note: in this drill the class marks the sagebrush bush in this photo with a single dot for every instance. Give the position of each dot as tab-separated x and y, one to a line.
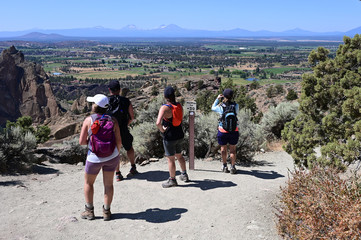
42	133
274	120
250	139
148	141
150	112
319	204
16	149
205	134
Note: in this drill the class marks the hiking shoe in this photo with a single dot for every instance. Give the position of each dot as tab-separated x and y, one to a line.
106	214
118	177
88	213
184	177
225	170
170	183
132	172
233	170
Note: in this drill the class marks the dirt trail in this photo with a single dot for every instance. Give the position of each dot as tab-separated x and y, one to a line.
214	205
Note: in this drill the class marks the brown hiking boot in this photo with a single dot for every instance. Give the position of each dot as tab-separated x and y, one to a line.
106	214
88	213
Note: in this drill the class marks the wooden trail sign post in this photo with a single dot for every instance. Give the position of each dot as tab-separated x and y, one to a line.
191	107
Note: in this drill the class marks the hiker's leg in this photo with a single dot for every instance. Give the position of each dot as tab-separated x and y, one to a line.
170	151
178	154
89	188
232	150
108	174
117	168
171	166
131	156
91	173
182	161
224	153
232	146
108	187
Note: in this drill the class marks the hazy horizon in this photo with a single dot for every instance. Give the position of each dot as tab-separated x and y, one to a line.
276	16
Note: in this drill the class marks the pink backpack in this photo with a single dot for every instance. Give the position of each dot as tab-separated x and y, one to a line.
102	139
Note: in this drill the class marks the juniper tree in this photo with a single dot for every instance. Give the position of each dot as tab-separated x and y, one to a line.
330	108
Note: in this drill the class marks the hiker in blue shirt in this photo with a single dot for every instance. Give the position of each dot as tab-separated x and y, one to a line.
227	127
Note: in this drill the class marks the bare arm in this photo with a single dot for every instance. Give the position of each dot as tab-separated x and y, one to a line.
118	138
162	112
83	138
131	113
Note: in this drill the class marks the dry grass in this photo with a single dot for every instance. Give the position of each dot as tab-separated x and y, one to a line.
275	146
318	204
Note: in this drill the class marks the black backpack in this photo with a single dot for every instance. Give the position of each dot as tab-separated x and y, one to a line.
118	108
229	117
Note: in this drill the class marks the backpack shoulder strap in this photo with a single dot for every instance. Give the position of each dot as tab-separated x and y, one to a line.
168	105
93	117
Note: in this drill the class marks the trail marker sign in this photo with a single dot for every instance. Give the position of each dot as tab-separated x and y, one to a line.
191	106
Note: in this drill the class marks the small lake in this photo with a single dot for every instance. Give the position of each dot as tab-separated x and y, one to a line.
252	79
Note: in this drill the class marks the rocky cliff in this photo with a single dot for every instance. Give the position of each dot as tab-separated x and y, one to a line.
24	89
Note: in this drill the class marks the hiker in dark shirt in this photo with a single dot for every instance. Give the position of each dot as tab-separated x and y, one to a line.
169	123
121	108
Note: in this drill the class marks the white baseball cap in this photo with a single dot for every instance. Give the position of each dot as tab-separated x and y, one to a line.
100	99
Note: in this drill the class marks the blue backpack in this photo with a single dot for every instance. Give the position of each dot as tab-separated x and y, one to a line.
229	117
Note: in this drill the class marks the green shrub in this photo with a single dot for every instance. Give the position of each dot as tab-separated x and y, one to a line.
155	90
188	85
319	204
330	114
270	92
16	149
254	85
291	95
205	100
42	134
279	89
275	118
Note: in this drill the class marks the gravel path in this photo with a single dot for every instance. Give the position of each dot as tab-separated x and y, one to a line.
213	205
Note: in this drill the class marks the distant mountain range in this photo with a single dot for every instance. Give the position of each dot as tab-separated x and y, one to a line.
166	31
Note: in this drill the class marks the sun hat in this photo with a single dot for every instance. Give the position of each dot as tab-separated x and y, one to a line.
100	99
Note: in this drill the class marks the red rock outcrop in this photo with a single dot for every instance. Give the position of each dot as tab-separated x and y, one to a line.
24	89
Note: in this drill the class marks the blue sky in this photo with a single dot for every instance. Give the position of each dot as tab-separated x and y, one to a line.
276	15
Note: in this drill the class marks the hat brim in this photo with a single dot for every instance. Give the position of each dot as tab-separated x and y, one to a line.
90	99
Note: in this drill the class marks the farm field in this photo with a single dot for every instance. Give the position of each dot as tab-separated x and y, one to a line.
270	62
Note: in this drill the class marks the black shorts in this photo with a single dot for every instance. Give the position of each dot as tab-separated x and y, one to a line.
172	147
127	138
